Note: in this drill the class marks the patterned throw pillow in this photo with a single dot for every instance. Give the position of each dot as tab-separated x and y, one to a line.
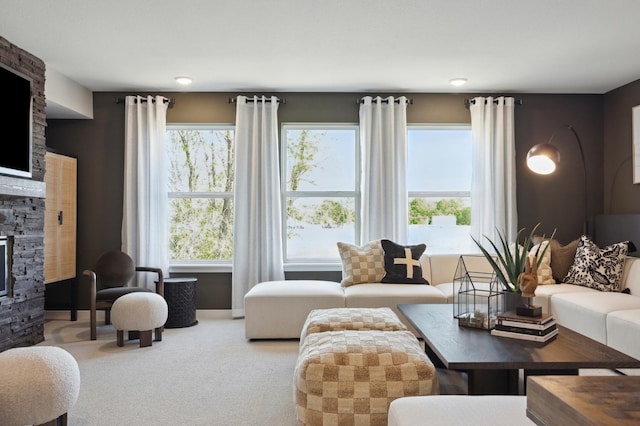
402	263
545	274
598	268
361	264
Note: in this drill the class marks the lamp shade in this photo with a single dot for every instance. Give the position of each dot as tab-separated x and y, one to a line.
543	158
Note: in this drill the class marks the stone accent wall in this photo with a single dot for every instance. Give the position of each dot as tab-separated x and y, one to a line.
22	312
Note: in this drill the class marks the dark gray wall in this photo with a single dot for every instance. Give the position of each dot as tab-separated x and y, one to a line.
621	196
554	201
557	200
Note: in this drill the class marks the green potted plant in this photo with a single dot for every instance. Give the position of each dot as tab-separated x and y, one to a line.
509	260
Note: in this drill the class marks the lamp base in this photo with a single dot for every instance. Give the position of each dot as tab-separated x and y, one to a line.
529	310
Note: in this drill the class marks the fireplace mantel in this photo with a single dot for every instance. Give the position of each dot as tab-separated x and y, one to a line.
20	187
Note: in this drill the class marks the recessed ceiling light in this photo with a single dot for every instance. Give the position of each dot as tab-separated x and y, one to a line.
458	81
183	80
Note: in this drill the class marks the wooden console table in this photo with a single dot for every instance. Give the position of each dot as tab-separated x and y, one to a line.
583	400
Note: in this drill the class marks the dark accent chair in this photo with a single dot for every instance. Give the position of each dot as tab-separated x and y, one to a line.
110	279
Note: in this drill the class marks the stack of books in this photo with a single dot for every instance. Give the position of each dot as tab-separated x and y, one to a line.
537	329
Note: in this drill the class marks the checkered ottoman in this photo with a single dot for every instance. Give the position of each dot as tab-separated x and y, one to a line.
363	319
350	377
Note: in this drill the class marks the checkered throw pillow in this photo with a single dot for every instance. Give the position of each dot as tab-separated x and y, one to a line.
361	264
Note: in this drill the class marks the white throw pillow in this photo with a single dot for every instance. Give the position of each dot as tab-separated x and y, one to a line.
545	274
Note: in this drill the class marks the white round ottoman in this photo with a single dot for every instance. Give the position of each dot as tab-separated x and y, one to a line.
139	314
38	384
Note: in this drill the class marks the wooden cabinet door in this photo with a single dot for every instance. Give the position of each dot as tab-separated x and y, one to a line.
60	218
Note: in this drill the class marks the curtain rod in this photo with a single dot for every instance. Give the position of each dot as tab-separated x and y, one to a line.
468	102
386	101
268	99
171	101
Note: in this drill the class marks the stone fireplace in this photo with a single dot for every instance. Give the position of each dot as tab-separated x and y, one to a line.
22	221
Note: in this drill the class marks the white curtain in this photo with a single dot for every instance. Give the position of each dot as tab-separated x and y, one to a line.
145	224
257	232
493	187
383	137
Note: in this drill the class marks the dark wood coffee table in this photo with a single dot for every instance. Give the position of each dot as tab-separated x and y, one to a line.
493	363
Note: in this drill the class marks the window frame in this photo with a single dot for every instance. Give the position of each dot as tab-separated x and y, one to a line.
438	193
213	265
442	194
317	264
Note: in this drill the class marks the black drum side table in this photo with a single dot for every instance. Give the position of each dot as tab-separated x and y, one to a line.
180	294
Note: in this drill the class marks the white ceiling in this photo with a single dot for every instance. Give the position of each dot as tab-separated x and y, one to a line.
524	46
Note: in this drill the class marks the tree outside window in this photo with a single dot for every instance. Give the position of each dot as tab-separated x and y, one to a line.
320	190
201	173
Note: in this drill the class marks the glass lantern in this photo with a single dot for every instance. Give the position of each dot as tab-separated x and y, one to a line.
478	293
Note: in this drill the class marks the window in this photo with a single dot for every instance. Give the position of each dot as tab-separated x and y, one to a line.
320	190
439	185
320	186
200	192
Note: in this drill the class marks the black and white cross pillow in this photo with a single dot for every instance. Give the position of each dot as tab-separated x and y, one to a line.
402	263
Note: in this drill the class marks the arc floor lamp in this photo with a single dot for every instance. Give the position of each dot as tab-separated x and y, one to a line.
544	159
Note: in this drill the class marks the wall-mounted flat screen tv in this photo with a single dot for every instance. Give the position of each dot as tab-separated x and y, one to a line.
16	118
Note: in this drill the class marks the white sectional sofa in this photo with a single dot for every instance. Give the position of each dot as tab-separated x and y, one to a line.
278	309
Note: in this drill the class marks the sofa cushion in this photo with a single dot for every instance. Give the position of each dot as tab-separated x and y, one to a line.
586	312
449	291
620	326
598	268
278	309
442	268
562	258
544	293
363	264
631	275
496	410
376	295
402	263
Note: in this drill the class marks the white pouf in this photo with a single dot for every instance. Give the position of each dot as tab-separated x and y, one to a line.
38	384
139	312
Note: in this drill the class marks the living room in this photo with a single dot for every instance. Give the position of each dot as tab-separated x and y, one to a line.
601	116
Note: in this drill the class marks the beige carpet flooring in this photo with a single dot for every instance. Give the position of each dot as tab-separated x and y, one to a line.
207	374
